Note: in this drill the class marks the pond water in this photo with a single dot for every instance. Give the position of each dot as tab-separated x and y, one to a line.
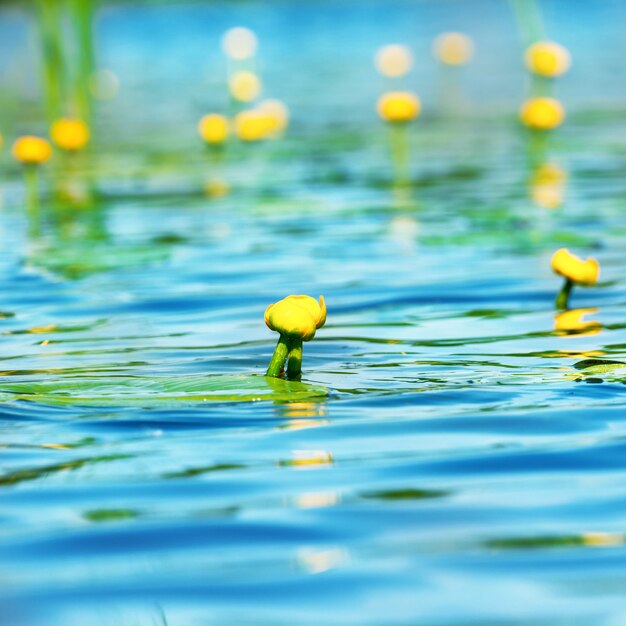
455	452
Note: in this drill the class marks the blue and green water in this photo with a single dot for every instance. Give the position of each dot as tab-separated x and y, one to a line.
454	453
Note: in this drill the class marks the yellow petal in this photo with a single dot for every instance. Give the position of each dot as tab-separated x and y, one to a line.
574	268
296	316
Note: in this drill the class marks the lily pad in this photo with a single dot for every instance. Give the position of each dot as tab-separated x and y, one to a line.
599	366
120	391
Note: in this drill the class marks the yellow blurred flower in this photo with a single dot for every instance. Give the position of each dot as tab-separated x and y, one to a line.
398	106
214	128
252	125
216	188
547	58
393	60
277	114
574	268
453	48
296	316
239	43
244	86
572	322
31	150
70	134
542	113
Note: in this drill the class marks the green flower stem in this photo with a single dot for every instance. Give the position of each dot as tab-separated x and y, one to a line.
399	141
81	13
294	363
529	21
279	357
562	299
31	183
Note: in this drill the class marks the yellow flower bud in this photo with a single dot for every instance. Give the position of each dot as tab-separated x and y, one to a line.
453	48
31	150
244	86
398	106
542	113
213	128
70	134
394	60
296	316
547	59
252	125
574	268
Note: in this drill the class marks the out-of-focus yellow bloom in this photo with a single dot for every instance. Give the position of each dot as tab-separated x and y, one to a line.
239	43
252	125
70	134
398	106
547	58
572	322
244	86
542	113
31	150
214	128
453	48
574	268
277	114
216	188
547	186
394	60
296	316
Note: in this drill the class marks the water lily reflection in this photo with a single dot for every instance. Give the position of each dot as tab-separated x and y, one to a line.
547	185
572	323
308	458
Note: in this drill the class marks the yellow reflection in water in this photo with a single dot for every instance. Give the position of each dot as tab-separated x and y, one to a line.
603	540
308	458
572	322
318	561
316	500
547	185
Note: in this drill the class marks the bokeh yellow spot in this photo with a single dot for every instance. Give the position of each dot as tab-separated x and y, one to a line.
214	128
252	125
574	268
244	86
239	43
399	106
277	114
453	48
394	60
216	188
31	150
547	58
547	186
542	113
70	134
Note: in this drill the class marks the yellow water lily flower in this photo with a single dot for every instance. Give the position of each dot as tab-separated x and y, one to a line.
244	86
574	269
31	150
398	106
542	113
296	316
394	60
547	58
69	134
453	48
214	128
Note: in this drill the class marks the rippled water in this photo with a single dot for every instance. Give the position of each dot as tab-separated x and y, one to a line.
455	452
450	457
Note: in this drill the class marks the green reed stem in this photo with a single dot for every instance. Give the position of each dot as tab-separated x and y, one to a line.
81	13
529	21
53	70
279	357
399	144
562	299
294	363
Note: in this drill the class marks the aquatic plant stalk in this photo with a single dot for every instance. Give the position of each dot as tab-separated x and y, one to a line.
294	362
399	143
562	299
82	22
529	20
279	357
50	27
31	184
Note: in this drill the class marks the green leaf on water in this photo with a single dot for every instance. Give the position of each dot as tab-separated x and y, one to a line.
120	391
599	366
